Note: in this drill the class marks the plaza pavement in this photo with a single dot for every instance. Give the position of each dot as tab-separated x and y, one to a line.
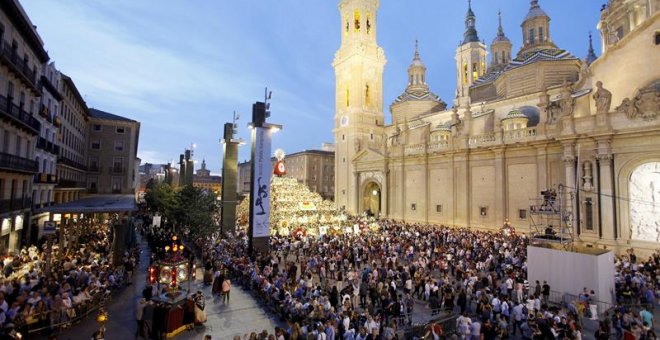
243	314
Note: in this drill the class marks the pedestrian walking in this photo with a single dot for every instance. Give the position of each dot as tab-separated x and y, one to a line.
226	288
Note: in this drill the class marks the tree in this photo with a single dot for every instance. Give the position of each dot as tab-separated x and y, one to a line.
161	198
196	210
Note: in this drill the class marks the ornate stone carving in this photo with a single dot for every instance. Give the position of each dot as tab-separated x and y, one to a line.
645	105
603	99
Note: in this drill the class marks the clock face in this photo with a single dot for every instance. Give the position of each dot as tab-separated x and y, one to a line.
344	121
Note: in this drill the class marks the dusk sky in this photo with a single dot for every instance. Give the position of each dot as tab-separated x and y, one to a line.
182	67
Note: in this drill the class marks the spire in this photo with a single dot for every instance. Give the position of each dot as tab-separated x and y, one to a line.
417	69
500	31
417	61
470	34
591	55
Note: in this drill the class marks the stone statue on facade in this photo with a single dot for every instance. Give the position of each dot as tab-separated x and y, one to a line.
567	102
356	145
603	99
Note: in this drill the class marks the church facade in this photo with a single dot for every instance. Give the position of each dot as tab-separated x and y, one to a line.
521	123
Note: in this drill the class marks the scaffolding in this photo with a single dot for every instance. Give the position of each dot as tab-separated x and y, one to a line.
551	217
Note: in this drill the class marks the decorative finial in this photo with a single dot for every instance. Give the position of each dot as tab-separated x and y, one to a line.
416	49
534	3
469	3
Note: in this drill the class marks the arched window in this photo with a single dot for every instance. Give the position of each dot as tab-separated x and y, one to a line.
356	22
465	74
540	34
531	36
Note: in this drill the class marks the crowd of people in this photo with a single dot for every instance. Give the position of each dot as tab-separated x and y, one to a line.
44	288
367	286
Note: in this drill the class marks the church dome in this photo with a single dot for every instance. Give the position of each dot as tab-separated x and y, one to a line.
535	11
515	113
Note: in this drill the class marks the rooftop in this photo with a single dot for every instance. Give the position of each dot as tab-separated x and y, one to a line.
95	113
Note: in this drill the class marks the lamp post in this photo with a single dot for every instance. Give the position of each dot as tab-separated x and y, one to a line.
259	227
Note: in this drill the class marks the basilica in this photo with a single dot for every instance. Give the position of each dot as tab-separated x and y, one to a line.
537	120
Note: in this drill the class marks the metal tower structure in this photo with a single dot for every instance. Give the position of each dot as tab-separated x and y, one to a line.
551	217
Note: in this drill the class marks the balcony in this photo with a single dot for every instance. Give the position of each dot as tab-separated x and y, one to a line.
65	183
73	164
47	146
15	64
45	178
95	168
14	113
18	164
45	82
9	205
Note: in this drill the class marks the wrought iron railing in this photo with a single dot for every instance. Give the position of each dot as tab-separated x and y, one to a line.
17	163
18	115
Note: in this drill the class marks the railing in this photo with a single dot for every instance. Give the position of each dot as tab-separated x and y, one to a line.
414	149
45	178
16	163
18	64
42	322
67	183
486	138
18	115
71	163
15	204
47	146
520	134
437	145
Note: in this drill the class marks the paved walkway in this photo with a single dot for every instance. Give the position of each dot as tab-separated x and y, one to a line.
241	315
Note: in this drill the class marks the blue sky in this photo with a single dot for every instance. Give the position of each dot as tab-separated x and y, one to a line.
182	67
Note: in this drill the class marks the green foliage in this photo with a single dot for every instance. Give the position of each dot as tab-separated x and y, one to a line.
197	210
161	198
190	207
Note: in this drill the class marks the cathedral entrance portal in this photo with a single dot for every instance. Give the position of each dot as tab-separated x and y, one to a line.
371	199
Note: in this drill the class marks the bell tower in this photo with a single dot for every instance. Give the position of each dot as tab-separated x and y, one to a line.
359	117
470	59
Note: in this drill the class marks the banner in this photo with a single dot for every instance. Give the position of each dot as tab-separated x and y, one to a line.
261	184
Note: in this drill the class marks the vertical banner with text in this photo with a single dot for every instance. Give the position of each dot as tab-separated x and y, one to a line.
261	184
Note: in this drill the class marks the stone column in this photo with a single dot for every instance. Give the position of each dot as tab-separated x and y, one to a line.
501	198
569	166
606	191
